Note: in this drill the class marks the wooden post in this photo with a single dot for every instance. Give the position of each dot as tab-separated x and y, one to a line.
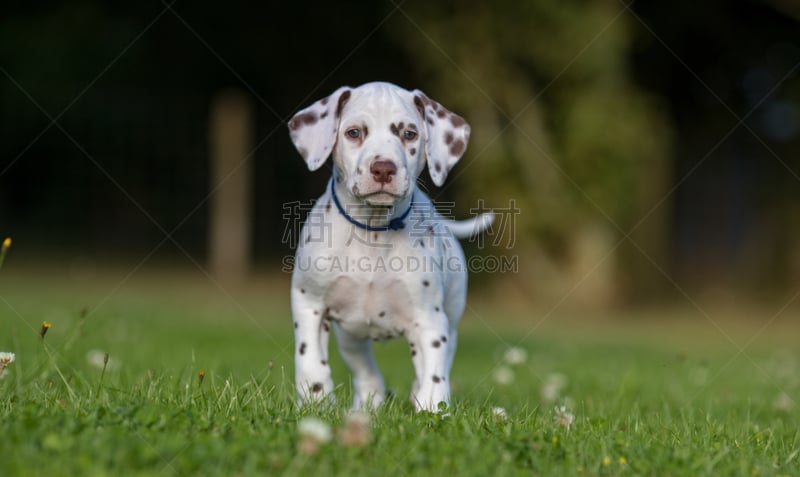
230	142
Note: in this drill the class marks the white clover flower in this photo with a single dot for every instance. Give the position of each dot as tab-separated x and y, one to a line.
314	428
562	417
503	375
783	403
100	359
7	358
355	432
499	413
554	383
699	376
359	418
515	356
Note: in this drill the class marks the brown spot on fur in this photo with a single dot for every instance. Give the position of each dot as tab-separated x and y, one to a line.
304	119
382	314
444	339
316	312
343	99
430	120
324	363
326	327
295	325
366	132
302	348
413	151
437	379
457	120
324	100
395	129
316	387
420	105
302	290
457	148
440	113
323	115
436	343
438	166
436	309
425	283
413	352
448	138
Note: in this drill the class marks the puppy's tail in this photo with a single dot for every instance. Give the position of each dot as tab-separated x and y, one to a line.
470	227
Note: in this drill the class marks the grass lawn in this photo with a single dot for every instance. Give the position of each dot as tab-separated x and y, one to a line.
684	394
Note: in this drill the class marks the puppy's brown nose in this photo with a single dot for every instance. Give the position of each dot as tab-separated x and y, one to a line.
382	171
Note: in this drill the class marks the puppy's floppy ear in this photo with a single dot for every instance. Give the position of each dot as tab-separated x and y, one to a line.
313	130
446	136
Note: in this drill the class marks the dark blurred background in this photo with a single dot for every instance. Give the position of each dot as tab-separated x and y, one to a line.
651	147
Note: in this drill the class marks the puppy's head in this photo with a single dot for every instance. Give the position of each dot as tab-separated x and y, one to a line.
380	136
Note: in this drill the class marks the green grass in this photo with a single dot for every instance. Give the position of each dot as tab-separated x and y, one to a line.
650	397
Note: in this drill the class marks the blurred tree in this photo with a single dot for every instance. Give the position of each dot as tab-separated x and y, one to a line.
558	125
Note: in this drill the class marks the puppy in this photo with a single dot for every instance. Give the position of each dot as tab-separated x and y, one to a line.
375	260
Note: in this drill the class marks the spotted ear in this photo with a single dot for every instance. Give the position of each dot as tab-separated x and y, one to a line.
446	138
313	130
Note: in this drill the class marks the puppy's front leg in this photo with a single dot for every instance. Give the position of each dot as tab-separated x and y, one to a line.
312	373
432	355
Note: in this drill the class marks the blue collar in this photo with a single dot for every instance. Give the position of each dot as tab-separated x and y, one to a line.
397	223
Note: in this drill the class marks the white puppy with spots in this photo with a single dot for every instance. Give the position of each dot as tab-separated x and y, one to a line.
375	260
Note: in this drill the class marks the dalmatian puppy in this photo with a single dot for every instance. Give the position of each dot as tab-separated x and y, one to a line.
375	260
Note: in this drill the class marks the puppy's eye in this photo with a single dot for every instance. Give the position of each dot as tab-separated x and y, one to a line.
353	133
409	134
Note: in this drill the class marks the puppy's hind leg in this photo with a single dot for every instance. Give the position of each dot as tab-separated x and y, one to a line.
368	386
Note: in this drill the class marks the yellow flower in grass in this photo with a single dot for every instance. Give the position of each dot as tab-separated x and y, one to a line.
4	249
45	326
622	460
606	461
